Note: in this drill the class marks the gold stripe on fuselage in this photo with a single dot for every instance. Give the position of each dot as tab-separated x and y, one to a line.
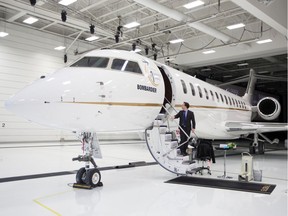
150	105
213	107
116	103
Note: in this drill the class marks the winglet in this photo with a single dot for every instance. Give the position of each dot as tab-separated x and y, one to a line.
250	87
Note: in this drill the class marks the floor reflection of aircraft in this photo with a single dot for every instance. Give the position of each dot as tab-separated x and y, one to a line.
112	91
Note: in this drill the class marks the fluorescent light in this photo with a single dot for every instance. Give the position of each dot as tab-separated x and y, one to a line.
239	25
176	41
264	41
30	20
227	76
92	38
67	2
59	48
209	52
193	4
132	25
242	64
3	34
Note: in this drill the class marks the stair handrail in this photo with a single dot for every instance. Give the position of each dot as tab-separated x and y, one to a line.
174	119
188	137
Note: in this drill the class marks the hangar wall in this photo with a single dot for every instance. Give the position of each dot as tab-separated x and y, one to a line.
25	55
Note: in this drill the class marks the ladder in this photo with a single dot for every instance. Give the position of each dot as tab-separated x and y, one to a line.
163	146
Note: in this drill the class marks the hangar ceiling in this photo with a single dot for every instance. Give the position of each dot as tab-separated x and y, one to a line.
202	28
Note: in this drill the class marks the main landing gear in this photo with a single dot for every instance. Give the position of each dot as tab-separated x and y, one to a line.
258	146
87	177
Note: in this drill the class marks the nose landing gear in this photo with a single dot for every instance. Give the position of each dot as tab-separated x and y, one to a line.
87	177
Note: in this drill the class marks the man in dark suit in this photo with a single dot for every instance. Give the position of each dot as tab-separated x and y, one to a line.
186	117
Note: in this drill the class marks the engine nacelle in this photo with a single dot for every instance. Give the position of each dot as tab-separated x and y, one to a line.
268	108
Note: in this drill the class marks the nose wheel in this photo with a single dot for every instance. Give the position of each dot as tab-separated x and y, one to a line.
89	177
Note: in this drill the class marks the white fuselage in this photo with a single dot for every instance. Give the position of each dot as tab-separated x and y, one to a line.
110	99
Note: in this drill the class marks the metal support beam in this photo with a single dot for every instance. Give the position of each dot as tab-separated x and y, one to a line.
274	14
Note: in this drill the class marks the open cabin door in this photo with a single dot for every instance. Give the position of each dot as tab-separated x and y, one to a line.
169	95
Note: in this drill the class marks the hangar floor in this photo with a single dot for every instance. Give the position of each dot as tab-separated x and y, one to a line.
135	191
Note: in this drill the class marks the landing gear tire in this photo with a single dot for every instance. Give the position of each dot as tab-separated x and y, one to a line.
93	177
81	176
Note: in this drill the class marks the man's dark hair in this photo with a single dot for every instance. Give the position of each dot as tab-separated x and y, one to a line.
186	104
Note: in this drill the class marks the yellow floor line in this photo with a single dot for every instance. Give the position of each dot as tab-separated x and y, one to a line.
46	207
48	196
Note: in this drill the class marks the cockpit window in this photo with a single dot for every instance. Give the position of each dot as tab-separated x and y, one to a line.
125	65
98	62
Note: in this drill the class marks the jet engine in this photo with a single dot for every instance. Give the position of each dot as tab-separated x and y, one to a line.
268	108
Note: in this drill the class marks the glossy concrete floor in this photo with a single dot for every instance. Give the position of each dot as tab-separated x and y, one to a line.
138	191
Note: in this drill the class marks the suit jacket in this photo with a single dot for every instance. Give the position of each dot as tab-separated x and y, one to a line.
190	118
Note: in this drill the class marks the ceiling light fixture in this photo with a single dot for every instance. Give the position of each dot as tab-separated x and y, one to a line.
92	38
155	56
92	29
176	41
235	26
264	41
209	52
33	2
60	48
30	20
193	4
242	64
63	15
146	50
3	34
132	25
67	2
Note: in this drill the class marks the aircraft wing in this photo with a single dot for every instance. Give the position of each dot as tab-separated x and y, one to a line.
259	127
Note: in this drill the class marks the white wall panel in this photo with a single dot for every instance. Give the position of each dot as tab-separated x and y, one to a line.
25	55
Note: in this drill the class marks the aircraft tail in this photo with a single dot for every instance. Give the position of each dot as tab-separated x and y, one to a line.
251	86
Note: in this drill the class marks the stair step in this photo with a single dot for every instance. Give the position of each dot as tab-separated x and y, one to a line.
162	129
161	116
168	136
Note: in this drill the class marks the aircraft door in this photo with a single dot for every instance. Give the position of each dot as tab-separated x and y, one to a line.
169	96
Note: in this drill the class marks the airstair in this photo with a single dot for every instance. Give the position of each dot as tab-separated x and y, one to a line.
162	143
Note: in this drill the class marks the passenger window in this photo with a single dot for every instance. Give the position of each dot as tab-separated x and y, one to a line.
233	102
222	98
226	99
184	87
200	91
125	65
192	89
217	96
212	95
230	101
97	62
206	93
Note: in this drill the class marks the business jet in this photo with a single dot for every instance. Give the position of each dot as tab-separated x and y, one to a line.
114	91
